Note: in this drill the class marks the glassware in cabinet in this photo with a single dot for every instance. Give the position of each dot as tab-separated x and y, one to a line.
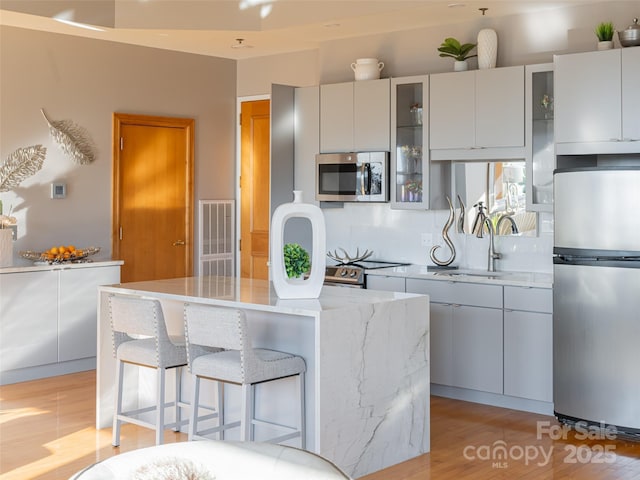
409	127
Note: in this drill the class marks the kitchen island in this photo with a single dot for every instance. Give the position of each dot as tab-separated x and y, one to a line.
367	355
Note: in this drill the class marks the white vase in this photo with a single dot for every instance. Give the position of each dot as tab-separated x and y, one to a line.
487	48
606	45
295	288
460	66
367	68
6	247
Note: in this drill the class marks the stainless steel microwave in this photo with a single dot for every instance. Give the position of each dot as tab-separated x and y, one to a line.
352	177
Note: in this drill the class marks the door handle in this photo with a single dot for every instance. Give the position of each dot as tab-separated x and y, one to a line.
178	243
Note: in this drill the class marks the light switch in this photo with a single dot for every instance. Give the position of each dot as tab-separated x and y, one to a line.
58	190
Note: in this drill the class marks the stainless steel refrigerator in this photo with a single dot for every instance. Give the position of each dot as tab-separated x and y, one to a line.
596	297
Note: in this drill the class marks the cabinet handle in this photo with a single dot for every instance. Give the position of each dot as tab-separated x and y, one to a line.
178	243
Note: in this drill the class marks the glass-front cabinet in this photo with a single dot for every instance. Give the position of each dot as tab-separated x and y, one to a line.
540	149
409	142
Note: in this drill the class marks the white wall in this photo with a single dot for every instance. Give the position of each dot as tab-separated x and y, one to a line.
85	81
523	39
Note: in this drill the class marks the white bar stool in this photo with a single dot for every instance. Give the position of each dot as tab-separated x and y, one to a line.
219	348
151	347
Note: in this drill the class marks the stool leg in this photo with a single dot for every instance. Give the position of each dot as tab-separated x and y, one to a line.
246	429
160	406
301	398
220	409
115	441
178	373
193	420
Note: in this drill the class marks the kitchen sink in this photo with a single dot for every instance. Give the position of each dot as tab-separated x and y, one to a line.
475	273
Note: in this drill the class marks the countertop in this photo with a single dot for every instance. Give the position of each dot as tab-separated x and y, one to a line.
254	294
520	279
37	267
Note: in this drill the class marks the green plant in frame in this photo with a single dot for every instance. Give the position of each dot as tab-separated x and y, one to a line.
451	47
604	31
296	260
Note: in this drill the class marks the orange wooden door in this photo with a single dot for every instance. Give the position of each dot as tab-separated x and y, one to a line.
254	189
153	199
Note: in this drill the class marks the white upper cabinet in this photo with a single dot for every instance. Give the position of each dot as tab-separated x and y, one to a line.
631	94
597	102
355	116
477	114
452	113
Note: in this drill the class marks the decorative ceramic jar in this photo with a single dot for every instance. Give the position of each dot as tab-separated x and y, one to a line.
487	48
293	287
460	66
605	45
367	68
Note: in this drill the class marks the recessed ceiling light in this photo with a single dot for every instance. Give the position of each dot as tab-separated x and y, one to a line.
240	44
456	5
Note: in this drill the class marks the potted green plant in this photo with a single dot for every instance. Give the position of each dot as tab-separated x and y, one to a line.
604	31
451	47
296	260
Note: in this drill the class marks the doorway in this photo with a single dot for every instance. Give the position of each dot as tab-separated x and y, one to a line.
152	224
255	181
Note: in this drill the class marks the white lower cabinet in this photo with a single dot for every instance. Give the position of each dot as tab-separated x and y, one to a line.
528	343
441	344
466	333
477	348
78	300
28	319
385	283
48	317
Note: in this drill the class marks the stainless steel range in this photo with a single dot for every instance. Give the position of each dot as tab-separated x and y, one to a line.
352	274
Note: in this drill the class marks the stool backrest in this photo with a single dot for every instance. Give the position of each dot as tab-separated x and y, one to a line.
137	316
210	328
217	327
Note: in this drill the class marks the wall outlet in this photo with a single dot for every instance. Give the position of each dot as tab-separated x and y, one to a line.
426	239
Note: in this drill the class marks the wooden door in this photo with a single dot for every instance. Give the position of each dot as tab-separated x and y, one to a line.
255	181
153	196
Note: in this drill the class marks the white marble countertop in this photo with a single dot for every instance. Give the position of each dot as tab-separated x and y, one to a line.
253	294
522	279
36	267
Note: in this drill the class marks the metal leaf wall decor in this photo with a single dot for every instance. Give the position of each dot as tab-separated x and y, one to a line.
72	139
21	164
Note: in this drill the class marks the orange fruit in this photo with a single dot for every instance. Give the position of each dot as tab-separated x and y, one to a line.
71	248
62	249
53	251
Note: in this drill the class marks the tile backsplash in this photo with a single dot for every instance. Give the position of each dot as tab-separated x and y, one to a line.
395	235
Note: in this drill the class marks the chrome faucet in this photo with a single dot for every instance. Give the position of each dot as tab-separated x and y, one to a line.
493	255
514	227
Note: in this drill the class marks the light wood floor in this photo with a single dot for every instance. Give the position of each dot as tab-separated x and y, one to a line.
47	432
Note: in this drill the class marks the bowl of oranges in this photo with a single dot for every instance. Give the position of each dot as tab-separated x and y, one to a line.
61	254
